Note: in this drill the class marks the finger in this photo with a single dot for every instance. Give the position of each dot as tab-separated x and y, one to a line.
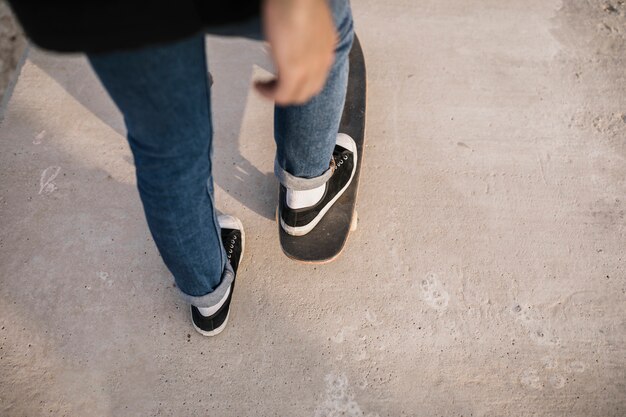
267	88
309	88
287	89
277	92
313	83
300	93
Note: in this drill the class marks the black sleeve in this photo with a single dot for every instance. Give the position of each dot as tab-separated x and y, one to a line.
106	25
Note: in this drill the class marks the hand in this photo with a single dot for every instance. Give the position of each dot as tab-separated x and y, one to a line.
302	37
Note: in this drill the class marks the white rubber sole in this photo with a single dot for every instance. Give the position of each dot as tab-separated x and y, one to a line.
346	142
214	332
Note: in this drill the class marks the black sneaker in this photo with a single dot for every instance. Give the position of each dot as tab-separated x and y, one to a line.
299	222
233	239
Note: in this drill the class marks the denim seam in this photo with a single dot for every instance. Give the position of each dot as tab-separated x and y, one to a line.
177	234
208	98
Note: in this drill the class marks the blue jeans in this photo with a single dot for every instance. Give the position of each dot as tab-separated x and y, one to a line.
164	95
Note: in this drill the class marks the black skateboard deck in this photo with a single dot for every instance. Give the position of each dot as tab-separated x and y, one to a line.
327	240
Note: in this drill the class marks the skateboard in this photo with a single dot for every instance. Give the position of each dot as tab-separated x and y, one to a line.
326	241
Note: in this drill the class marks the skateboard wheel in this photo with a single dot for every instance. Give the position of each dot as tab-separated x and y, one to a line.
355	221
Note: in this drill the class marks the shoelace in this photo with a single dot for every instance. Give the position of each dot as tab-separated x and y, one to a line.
231	246
341	158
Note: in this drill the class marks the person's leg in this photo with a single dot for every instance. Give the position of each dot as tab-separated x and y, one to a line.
315	164
164	95
306	135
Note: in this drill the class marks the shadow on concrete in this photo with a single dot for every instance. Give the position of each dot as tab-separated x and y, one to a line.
242	180
97	327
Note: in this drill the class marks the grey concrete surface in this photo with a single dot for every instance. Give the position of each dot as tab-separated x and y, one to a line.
487	276
12	47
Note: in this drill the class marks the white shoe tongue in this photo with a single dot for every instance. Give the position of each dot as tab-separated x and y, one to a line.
307	198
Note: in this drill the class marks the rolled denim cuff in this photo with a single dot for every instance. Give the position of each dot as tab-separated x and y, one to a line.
212	298
298	183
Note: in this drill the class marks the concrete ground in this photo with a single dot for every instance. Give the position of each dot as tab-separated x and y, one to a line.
487	276
12	45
